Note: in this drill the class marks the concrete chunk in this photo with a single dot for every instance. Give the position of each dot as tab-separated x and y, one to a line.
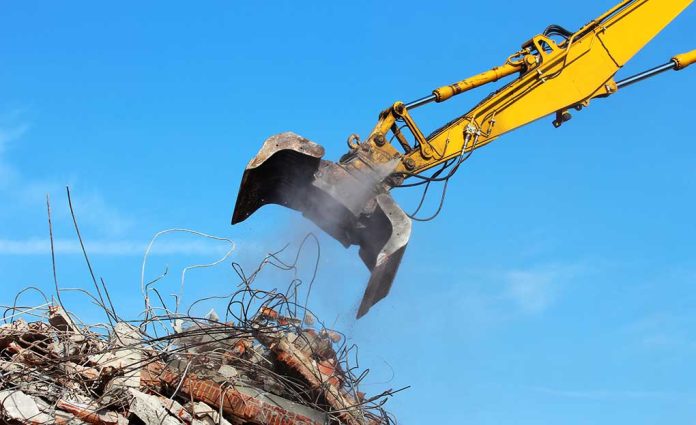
17	406
150	410
126	357
60	319
228	371
176	409
91	414
205	414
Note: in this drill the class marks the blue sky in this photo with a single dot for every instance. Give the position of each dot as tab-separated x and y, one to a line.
557	286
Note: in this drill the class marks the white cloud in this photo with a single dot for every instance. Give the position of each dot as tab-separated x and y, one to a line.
6	174
534	290
92	210
531	291
612	394
670	331
37	246
485	299
9	134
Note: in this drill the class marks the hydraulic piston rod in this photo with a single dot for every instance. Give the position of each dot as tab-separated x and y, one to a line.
676	63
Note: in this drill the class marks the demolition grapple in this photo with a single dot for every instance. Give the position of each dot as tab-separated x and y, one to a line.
556	72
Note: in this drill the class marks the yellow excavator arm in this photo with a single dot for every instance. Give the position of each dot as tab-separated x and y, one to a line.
556	71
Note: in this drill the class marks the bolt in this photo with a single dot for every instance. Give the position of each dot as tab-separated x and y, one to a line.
399	108
427	151
410	164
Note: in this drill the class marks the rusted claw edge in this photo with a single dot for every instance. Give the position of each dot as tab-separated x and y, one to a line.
289	171
382	248
285	162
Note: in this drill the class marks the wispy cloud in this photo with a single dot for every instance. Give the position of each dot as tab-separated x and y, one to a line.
485	299
21	192
670	331
6	173
534	290
106	247
9	134
612	394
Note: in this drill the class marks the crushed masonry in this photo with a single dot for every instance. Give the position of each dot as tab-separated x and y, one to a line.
268	367
267	360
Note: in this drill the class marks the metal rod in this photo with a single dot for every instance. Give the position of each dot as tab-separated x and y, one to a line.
646	74
420	102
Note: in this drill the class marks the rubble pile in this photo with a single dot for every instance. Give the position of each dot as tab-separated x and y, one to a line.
267	362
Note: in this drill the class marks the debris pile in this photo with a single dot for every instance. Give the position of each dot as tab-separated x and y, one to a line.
268	360
271	369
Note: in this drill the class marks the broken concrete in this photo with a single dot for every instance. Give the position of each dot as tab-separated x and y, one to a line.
150	409
206	415
59	319
91	414
269	371
17	406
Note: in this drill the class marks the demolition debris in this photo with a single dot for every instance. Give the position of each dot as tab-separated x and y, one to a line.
267	361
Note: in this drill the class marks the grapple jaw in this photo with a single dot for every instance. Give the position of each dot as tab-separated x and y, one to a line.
351	203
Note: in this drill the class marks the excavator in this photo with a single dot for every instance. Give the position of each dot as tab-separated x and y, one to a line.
554	73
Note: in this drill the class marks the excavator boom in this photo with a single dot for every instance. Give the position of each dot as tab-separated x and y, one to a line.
556	71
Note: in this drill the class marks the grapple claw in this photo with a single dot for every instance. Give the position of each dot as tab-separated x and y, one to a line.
386	235
285	164
352	206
